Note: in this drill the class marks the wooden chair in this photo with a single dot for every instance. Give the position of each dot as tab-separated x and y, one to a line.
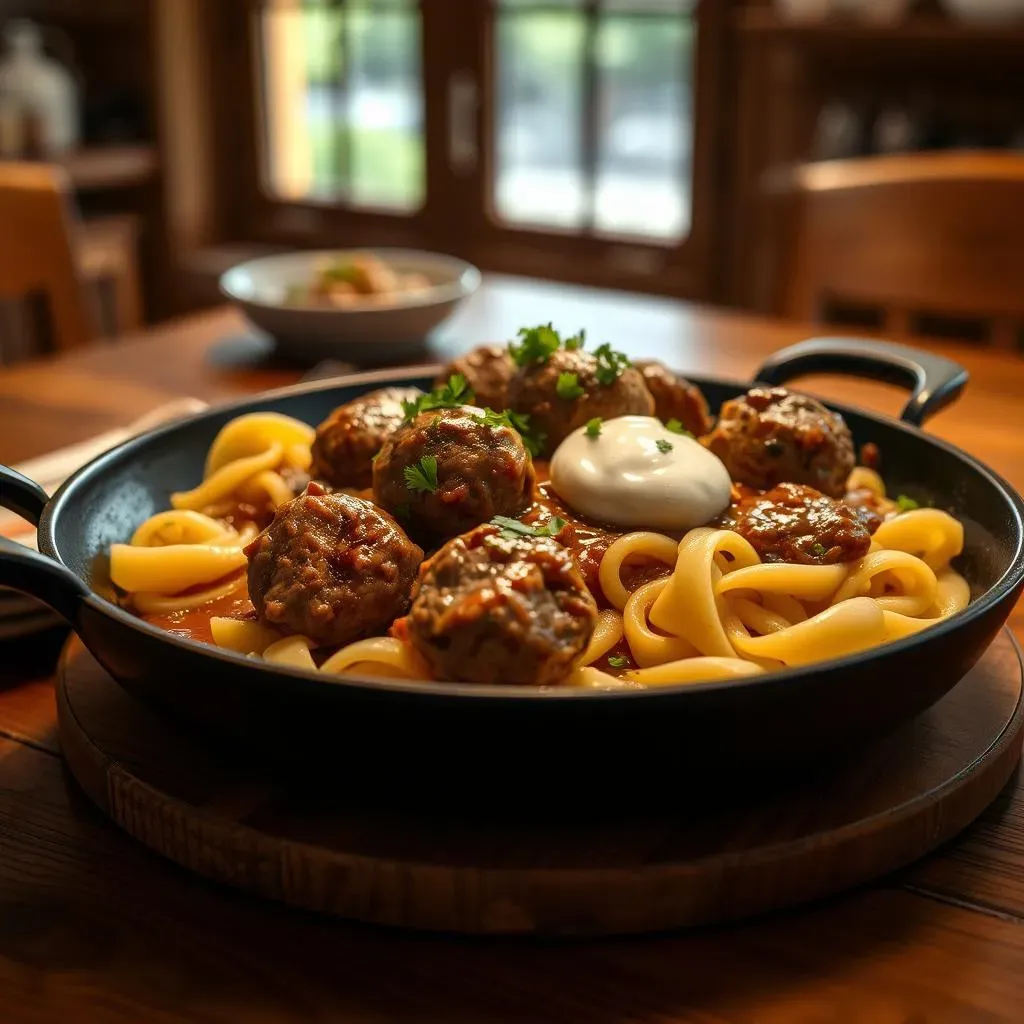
924	234
106	251
37	249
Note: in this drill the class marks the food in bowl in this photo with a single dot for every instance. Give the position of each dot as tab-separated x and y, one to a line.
354	280
427	537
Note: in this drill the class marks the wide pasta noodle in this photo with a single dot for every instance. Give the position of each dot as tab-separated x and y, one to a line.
647	646
255	433
242	635
245	462
723	613
382	655
643	545
607	633
688	606
188	556
292	651
172	568
933	536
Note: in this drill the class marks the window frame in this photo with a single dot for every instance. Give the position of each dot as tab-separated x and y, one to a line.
458	35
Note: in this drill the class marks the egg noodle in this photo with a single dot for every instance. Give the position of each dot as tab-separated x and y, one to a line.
719	613
187	557
723	613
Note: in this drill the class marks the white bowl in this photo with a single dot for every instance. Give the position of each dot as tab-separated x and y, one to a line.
373	332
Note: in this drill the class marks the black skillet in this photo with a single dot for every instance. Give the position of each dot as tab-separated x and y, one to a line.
362	730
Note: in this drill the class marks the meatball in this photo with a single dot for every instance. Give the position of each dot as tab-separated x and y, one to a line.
452	469
535	390
332	567
770	436
675	398
489	608
794	523
487	370
351	436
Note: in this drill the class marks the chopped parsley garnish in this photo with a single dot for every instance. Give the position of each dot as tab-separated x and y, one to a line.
511	528
619	661
677	428
403	511
594	427
497	419
663	446
906	504
568	386
450	396
537	345
520	423
610	364
819	550
422	475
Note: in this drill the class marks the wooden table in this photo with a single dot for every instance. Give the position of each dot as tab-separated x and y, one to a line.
95	928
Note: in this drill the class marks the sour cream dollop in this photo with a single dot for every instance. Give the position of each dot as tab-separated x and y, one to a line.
635	472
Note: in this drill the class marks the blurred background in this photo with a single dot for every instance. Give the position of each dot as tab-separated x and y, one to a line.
664	146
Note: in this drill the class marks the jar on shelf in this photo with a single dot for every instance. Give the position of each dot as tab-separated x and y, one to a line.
40	88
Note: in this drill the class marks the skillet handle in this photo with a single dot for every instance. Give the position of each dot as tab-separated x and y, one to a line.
934	381
24	569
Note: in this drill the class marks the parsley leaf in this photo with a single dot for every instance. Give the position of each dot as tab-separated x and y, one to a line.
576	341
906	504
533	441
422	475
538	344
568	386
677	428
663	446
819	550
619	661
594	427
610	364
511	528
453	394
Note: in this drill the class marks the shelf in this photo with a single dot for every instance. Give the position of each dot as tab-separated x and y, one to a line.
110	167
762	22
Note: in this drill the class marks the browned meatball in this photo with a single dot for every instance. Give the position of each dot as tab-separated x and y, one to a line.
452	469
351	436
487	370
494	609
675	398
794	523
771	436
332	567
535	390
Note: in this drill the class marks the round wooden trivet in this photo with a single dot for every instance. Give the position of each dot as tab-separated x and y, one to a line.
310	847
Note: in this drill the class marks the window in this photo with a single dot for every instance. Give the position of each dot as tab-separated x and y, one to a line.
556	137
343	102
594	115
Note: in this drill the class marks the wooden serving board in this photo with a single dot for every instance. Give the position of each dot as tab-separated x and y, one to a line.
309	845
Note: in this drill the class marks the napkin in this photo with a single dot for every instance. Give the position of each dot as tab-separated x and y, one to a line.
52	469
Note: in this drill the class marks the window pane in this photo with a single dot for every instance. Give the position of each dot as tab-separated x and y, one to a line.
343	99
617	73
385	112
645	125
539	118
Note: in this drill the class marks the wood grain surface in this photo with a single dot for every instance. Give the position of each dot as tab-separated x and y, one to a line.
480	872
95	928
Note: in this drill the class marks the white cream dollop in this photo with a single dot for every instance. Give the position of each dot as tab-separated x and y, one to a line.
635	472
